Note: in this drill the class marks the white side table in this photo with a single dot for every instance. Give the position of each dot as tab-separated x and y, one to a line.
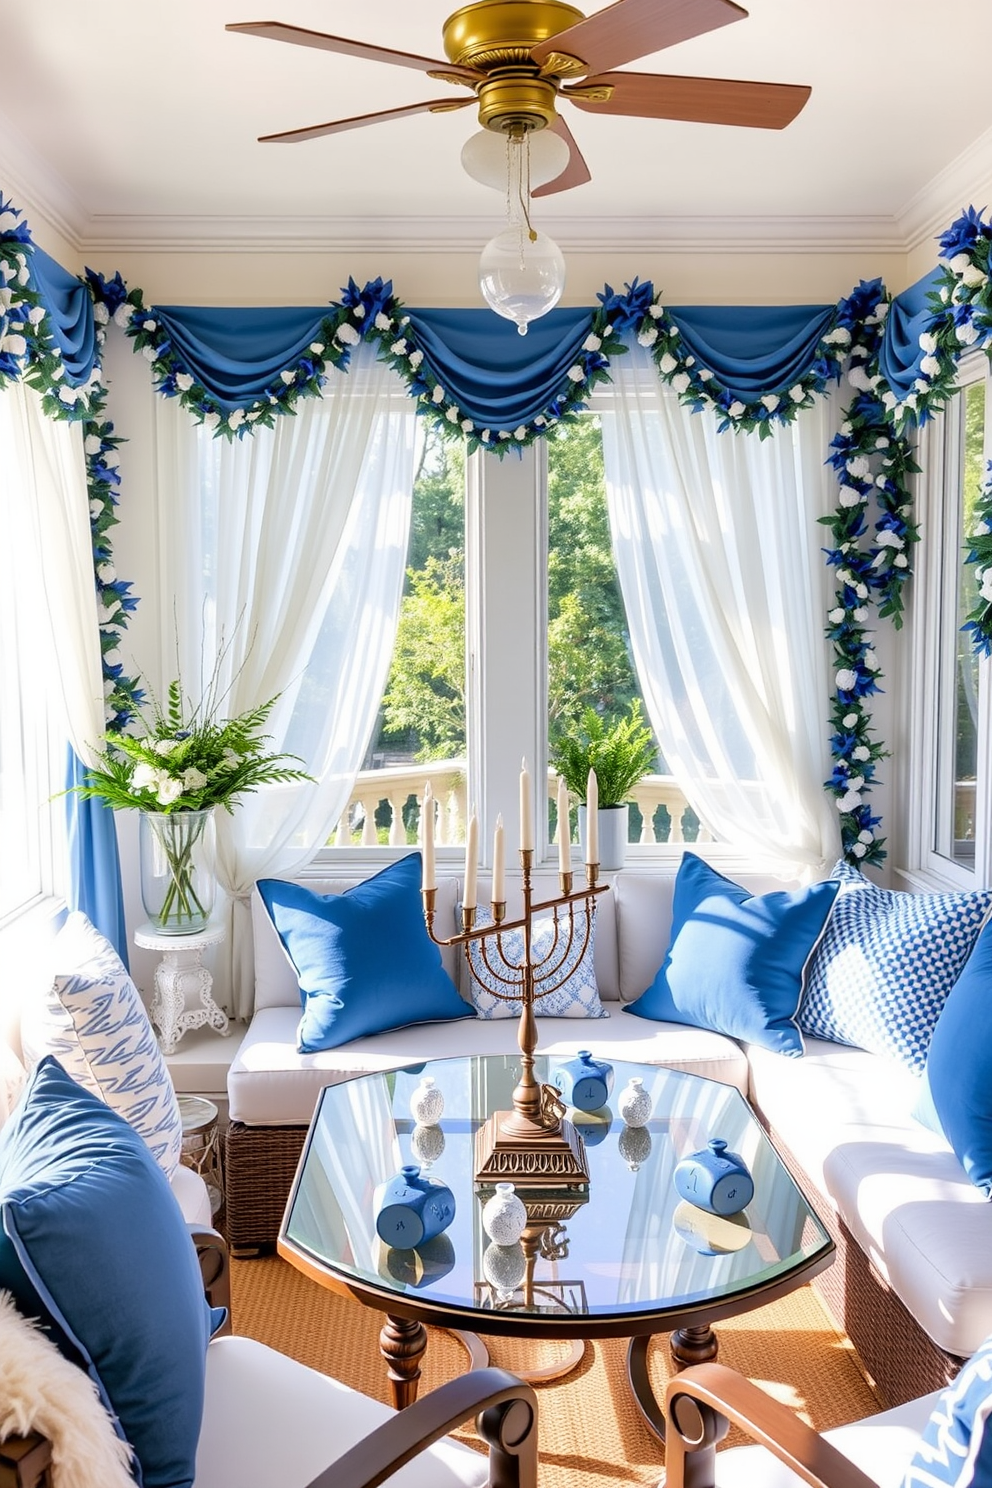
180	977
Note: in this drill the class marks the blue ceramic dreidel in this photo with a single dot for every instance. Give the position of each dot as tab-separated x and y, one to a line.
584	1082
410	1210
715	1179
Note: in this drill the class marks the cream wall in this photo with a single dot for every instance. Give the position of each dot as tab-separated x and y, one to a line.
446	279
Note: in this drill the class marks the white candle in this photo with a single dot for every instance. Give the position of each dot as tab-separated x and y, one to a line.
499	862
592	818
564	835
471	862
429	880
526	810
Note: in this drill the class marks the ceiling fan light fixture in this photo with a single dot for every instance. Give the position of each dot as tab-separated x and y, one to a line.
521	277
521	271
484	157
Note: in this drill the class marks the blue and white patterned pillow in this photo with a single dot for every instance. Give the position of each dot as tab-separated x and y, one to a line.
577	996
92	1019
887	961
955	1450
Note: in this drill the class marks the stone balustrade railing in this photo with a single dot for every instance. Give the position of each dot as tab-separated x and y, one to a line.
385	807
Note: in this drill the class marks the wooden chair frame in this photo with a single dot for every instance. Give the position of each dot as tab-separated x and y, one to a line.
702	1402
505	1408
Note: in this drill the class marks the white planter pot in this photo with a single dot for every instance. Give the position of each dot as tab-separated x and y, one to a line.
612	835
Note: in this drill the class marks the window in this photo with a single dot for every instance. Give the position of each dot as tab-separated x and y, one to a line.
511	623
952	751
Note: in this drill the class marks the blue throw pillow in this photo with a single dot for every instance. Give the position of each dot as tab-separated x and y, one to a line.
959	1065
955	1450
735	962
363	959
882	972
95	1245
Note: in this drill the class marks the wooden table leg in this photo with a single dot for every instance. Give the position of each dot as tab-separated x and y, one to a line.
402	1343
695	1345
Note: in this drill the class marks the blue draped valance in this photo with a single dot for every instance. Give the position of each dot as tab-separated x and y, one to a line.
753	349
900	353
496	376
236	353
70	308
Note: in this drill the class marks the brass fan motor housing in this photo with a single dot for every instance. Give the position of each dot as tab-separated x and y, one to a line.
496	37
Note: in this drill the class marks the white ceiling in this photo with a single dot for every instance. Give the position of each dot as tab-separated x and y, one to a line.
126	116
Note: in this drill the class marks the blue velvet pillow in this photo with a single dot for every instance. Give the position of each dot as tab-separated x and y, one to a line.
94	1243
955	1450
363	959
959	1065
735	962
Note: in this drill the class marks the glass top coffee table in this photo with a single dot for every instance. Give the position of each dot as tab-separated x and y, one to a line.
624	1256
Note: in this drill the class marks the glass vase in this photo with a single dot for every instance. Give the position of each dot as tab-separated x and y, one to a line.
177	869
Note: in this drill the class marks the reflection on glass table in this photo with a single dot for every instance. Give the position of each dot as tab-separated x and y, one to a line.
624	1256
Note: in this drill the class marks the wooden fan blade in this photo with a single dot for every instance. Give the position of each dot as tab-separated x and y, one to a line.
299	36
636	28
576	172
646	95
338	126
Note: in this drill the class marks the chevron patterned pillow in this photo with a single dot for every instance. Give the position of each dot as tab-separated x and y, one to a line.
92	1019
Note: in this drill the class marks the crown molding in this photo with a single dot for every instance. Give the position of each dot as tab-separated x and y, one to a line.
944	197
414	235
38	190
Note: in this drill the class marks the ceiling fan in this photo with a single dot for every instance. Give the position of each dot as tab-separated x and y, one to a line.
520	57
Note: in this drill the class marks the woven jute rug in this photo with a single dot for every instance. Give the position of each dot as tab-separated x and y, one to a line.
591	1433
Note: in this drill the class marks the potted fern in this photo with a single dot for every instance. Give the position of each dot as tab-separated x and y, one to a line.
621	751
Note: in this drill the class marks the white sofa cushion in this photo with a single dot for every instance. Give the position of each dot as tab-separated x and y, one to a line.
270	1084
845	1114
192	1196
882	1446
269	1420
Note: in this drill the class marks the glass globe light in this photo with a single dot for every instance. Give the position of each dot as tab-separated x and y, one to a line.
521	277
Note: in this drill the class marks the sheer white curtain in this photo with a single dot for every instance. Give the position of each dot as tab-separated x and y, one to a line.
719	557
46	519
288	548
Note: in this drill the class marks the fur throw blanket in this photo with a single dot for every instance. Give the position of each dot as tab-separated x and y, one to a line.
40	1390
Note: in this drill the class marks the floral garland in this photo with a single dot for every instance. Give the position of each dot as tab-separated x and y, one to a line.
979	550
960	318
870	459
29	351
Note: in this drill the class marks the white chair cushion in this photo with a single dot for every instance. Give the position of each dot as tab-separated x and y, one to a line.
882	1446
270	1084
268	1420
846	1116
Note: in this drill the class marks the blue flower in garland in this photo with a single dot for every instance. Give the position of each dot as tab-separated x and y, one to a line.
626	311
110	292
13	231
963	234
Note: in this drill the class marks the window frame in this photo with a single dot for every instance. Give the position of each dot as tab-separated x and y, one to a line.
933	634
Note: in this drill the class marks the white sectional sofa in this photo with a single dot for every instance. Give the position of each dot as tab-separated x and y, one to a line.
912	1281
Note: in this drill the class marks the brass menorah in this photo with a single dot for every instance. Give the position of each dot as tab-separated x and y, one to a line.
533	1145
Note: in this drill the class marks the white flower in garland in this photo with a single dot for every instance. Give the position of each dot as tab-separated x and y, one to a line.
184	381
398	348
347	334
851	496
836	616
736	409
415	359
771	401
667	363
576	373
846	680
797	393
438	394
648	337
592	342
